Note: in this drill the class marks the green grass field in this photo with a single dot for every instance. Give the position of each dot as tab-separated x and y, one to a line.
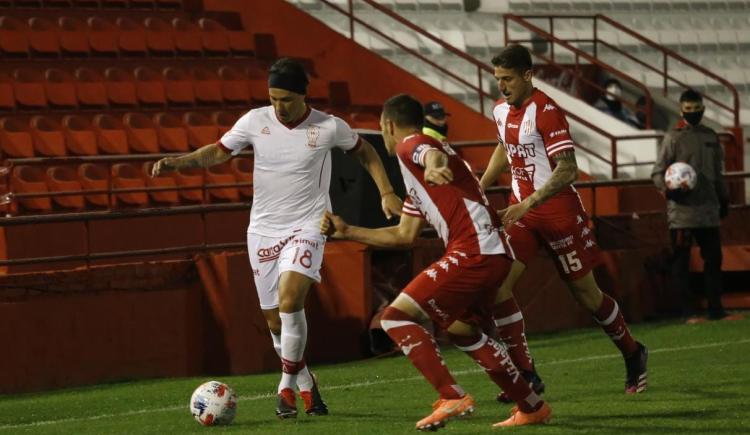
698	383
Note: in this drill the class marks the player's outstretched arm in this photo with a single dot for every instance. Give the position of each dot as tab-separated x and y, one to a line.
402	235
436	170
368	157
497	165
564	174
203	157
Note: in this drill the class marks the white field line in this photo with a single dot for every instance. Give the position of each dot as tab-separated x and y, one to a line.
360	385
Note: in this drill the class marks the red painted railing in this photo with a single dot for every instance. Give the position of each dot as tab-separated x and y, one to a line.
579	54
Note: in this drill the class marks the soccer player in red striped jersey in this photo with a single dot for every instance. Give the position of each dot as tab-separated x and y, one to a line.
545	209
456	290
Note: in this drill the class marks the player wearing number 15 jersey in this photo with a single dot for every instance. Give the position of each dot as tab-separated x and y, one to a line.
545	209
291	175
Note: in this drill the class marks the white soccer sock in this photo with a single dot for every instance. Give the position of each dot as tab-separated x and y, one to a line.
293	341
304	377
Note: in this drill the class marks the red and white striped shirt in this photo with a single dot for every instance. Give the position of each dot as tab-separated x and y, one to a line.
532	134
459	211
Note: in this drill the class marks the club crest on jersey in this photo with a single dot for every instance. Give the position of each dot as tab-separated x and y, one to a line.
528	127
313	133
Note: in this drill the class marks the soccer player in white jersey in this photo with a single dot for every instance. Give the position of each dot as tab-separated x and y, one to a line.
291	144
455	290
545	210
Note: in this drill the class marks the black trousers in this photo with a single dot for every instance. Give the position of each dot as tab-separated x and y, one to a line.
709	241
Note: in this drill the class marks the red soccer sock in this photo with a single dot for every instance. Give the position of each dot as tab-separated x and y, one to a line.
493	358
610	318
510	328
420	347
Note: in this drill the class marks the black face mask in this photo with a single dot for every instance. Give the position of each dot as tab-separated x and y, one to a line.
693	118
614	105
438	128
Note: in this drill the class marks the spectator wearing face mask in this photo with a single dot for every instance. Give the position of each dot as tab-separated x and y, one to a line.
435	121
611	104
694	215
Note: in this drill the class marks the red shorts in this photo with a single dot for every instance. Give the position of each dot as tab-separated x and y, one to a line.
459	287
567	236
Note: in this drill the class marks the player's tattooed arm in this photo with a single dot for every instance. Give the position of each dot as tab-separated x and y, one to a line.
497	165
564	174
203	157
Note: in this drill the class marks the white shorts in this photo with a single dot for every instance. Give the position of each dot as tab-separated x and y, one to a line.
300	252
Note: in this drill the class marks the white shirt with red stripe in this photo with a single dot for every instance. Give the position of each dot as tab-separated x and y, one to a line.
292	166
532	134
459	211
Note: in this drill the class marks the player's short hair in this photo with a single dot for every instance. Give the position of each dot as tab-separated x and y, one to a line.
289	74
404	110
515	57
692	96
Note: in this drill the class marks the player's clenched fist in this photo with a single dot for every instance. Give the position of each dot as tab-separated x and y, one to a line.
167	164
332	225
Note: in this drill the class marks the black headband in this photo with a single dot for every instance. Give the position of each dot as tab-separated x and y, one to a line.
289	82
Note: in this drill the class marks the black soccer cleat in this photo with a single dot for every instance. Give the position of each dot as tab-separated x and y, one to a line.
286	407
314	404
535	383
636	379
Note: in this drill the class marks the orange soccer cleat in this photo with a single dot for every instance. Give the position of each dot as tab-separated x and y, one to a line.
445	409
518	418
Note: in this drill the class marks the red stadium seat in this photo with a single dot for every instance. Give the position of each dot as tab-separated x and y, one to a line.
243	173
104	37
14	37
234	86
258	90
127	176
200	130
214	37
110	135
222	174
73	36
224	120
30	179
187	37
190	178
15	138
149	86
208	86
60	87
28	88
317	91
141	133
94	177
179	87
80	138
121	87
159	36
171	133
114	4
48	137
241	42
90	88
44	38
65	179
162	181
132	37
7	97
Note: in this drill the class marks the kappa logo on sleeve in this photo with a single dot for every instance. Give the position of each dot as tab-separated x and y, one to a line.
548	107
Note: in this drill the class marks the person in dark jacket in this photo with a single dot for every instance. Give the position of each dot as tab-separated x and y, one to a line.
694	215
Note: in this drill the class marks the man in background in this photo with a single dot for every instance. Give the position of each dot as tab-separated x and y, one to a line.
435	121
694	215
